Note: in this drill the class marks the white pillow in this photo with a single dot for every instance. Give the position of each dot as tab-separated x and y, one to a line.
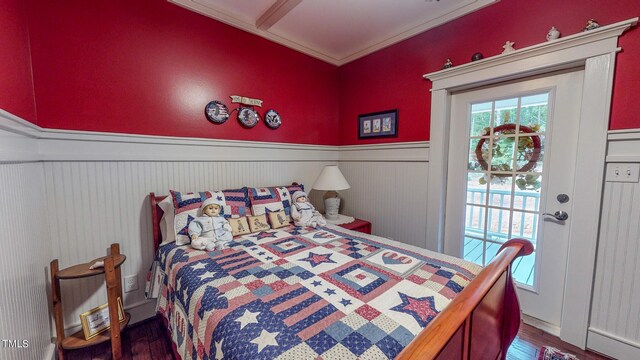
168	218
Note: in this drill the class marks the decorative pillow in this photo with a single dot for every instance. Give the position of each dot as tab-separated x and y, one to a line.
166	223
239	226
294	188
258	223
235	203
278	219
270	199
186	207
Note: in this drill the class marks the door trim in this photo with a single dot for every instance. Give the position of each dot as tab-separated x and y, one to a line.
594	50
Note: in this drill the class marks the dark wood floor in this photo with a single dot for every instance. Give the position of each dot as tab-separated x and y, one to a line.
148	340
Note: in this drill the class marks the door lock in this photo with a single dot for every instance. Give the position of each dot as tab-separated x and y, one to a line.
562	198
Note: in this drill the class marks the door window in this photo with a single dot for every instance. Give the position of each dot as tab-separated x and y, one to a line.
504	178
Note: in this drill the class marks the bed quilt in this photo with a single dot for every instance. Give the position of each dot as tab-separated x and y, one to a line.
303	293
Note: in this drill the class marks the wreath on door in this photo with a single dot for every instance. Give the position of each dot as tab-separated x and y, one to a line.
528	147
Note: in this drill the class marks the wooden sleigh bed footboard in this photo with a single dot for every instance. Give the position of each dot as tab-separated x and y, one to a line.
480	323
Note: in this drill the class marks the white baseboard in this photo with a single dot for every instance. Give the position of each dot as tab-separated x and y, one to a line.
542	325
139	311
50	353
142	311
612	345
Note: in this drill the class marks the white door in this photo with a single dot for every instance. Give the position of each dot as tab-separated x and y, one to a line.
512	158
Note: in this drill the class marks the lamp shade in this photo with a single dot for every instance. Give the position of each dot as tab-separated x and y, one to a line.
331	179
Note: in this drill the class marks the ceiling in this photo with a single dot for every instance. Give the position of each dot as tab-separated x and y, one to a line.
336	31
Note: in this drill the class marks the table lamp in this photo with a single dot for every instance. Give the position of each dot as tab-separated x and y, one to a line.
331	180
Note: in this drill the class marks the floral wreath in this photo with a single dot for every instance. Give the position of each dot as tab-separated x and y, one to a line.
535	155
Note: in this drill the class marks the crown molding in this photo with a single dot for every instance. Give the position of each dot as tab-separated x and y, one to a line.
262	30
541	56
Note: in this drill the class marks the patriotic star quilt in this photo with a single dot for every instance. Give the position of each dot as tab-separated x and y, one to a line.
303	293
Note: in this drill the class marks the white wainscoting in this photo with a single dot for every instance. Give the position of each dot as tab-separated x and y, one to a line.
103	202
24	260
97	185
615	310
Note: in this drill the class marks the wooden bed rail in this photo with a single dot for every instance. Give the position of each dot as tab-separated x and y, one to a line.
490	299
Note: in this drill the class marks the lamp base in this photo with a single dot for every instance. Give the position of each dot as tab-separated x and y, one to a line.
331	205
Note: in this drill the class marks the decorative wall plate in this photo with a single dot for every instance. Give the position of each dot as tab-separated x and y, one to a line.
216	112
247	117
272	119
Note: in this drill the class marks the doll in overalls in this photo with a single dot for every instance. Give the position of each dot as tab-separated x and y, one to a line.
210	231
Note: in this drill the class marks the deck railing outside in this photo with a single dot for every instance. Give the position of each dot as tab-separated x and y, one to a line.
521	198
523	268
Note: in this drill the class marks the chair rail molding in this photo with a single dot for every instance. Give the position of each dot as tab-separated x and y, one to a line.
593	50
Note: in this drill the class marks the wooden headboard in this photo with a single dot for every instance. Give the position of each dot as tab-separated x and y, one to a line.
156	216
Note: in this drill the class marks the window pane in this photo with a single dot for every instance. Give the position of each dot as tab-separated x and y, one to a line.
502	155
473	249
476	188
506	112
480	118
474	164
533	113
500	191
524	225
528	158
475	220
499	223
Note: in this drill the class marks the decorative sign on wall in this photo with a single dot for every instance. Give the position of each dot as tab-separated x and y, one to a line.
245	100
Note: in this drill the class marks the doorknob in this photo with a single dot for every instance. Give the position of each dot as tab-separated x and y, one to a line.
558	215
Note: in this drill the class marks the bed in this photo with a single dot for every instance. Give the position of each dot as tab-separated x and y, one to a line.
297	293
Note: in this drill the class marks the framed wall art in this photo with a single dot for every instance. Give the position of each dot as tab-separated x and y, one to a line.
378	124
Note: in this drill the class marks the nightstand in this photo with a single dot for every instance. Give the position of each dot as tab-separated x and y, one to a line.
113	280
358	225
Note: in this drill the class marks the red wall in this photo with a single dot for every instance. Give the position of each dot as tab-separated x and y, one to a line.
392	78
150	67
16	83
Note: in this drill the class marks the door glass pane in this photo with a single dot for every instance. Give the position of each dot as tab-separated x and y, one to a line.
504	180
480	118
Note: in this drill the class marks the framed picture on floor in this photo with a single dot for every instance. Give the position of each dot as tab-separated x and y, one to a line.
96	320
378	124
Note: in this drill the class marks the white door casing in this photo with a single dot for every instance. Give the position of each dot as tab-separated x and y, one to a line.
542	300
594	50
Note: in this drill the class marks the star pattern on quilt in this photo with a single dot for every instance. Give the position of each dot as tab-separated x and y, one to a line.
264	235
330	292
198	266
248	318
422	309
317	259
207	274
265	339
219	352
185	230
316	283
345	302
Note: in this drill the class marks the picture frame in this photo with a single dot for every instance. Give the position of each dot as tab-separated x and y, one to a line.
96	320
378	124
